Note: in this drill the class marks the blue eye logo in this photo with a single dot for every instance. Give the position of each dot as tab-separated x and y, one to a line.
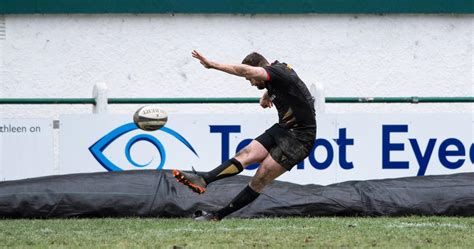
97	149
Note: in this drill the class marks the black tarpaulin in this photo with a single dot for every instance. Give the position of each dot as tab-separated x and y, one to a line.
151	193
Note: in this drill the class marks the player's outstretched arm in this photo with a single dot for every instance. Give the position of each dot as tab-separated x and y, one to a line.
241	70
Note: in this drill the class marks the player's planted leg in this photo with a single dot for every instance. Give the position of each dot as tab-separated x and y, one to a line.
266	173
246	196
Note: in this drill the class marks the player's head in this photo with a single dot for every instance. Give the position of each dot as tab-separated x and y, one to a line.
256	60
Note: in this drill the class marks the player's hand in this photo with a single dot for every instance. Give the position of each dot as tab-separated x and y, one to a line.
265	101
204	61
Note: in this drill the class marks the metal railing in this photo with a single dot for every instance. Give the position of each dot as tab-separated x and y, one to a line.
100	99
230	100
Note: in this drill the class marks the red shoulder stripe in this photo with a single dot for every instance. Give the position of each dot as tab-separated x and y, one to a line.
268	75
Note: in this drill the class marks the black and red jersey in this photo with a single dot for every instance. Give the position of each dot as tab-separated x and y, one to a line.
289	94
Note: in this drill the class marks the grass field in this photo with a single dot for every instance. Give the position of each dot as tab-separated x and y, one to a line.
403	232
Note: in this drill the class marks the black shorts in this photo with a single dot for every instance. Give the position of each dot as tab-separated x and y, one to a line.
287	146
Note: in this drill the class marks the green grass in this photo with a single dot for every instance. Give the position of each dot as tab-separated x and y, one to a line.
404	232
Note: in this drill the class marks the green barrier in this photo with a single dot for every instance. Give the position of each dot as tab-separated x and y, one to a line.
413	99
354	100
46	101
235	6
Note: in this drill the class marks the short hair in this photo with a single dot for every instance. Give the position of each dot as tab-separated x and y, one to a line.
255	59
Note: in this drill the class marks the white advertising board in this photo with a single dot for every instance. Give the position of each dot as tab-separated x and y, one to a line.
26	148
348	147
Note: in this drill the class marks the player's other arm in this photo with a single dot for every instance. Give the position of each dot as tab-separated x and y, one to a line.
242	70
265	100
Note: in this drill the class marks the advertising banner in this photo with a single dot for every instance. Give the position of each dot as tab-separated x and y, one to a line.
348	146
26	148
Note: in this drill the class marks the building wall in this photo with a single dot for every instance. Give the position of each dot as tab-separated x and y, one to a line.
149	55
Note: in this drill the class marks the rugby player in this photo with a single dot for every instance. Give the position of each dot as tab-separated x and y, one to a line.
279	148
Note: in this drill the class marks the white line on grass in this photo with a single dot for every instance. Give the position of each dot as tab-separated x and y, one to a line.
231	229
429	224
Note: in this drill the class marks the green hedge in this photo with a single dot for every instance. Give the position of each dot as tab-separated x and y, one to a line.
236	6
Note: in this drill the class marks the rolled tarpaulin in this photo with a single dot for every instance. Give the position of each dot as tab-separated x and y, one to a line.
152	193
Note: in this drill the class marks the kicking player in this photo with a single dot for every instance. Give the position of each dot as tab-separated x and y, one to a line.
279	148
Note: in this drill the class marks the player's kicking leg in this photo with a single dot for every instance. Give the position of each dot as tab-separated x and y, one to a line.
197	182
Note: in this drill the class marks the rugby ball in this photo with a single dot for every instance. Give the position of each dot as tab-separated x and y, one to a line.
150	118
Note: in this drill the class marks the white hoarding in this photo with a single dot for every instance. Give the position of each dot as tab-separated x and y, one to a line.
26	148
348	147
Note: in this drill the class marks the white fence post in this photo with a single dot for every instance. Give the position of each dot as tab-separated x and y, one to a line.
99	93
317	90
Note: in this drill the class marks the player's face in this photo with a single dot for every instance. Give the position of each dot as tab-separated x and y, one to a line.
260	84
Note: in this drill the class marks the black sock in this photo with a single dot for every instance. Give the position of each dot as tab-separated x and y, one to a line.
245	197
228	168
